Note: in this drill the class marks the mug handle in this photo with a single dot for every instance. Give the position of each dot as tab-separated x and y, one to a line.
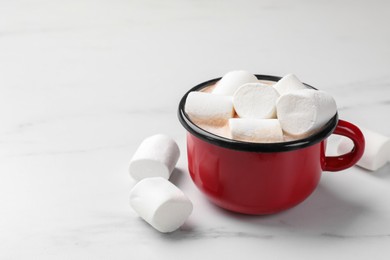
341	162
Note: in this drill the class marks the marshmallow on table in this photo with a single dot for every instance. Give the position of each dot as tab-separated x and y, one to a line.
302	112
208	108
231	81
155	157
255	100
256	130
288	83
376	152
160	203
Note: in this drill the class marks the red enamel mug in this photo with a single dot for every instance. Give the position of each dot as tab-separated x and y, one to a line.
263	178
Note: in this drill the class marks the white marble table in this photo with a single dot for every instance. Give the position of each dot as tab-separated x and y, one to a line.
83	82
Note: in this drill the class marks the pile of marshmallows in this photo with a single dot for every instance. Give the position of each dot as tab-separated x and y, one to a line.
154	197
264	111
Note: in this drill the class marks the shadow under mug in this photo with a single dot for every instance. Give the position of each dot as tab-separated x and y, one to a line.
262	178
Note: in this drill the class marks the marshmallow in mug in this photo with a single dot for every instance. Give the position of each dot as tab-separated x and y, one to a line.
160	203
288	83
255	100
303	112
208	107
231	81
256	130
376	152
155	157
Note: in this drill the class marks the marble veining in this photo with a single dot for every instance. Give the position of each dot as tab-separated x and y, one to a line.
82	83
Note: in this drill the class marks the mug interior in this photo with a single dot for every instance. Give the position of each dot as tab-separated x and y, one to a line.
248	146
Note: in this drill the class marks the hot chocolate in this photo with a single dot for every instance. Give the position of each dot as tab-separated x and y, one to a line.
223	129
262	178
259	111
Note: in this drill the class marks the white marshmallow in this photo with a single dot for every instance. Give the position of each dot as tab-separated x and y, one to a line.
302	112
160	203
155	157
231	81
256	130
209	108
288	83
376	151
255	100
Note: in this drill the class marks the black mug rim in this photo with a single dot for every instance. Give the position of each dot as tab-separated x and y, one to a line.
204	135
